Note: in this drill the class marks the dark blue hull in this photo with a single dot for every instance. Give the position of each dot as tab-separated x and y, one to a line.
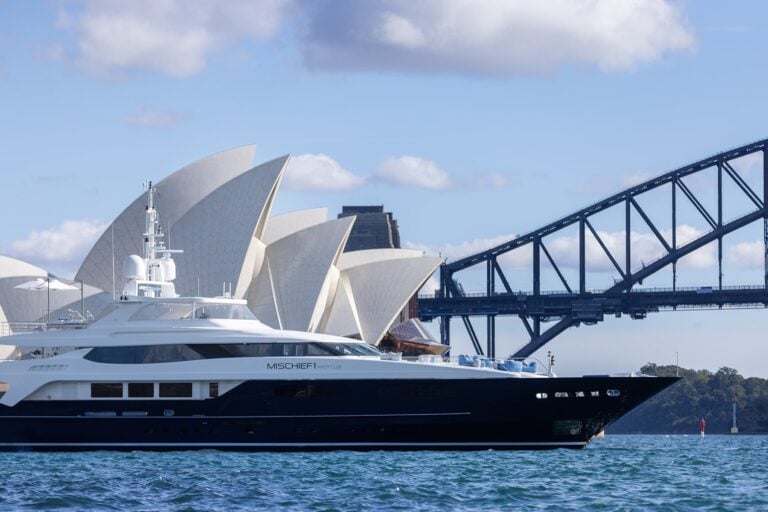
324	415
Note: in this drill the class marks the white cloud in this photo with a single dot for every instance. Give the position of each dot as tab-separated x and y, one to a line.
64	246
399	31
748	164
491	37
747	254
413	171
431	286
172	37
319	172
154	118
485	37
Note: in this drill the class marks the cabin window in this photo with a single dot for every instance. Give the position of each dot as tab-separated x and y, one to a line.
594	393
317	350
613	392
141	390
561	394
223	311
3	388
163	311
579	394
175	390
213	389
541	396
107	390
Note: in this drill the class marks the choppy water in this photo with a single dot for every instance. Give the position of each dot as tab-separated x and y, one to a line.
617	473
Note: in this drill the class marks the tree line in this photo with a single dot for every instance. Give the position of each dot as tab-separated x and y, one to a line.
699	394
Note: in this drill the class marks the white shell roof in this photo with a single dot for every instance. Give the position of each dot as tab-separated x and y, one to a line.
355	258
379	289
286	224
176	195
11	267
220	233
295	281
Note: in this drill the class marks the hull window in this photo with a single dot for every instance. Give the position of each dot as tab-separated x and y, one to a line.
175	390
213	389
141	390
107	390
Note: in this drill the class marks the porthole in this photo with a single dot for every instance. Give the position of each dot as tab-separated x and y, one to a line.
613	392
541	396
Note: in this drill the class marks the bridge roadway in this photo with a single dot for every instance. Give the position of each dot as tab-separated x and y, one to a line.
571	309
592	306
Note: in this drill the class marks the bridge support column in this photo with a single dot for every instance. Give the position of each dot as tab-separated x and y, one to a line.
765	216
491	335
445	330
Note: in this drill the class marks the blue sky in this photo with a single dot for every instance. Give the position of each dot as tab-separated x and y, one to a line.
471	121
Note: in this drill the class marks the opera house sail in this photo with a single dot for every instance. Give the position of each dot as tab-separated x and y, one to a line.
290	268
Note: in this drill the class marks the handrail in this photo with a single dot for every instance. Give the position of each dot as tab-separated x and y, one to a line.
12	328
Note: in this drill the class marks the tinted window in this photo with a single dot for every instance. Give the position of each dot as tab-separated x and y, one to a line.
353	349
148	354
175	390
142	354
213	389
163	311
107	390
223	311
141	390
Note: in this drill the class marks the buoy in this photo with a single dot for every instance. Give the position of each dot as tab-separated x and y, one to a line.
702	426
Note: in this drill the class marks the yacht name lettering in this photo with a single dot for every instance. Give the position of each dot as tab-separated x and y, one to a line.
303	366
291	366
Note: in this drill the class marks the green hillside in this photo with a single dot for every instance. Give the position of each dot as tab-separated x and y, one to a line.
700	393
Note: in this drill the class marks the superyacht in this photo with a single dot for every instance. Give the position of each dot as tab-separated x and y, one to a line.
164	372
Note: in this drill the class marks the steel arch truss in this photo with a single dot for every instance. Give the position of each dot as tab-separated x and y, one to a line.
579	305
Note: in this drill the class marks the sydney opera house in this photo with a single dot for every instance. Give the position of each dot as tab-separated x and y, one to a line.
291	268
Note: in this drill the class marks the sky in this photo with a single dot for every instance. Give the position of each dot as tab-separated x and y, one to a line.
472	121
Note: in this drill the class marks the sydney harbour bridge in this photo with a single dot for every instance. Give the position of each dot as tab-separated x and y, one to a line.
547	313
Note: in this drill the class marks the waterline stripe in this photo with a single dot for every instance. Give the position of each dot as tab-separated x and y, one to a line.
202	417
297	445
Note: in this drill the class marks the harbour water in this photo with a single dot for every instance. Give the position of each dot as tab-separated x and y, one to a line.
615	473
